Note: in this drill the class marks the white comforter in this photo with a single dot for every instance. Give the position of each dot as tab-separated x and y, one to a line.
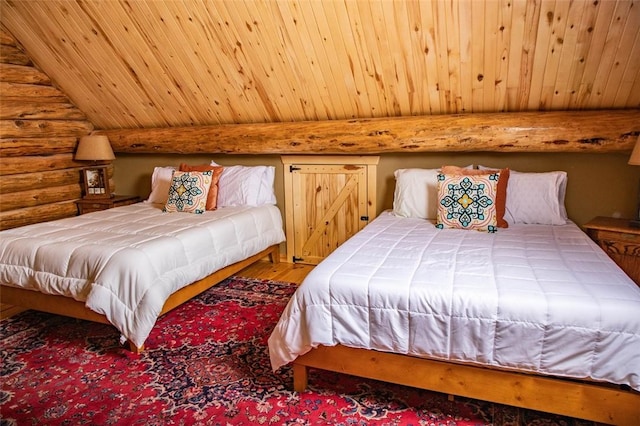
543	299
125	262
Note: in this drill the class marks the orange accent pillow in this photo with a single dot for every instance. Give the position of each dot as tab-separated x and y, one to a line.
501	196
212	197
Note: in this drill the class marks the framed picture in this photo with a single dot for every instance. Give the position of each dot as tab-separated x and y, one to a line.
96	182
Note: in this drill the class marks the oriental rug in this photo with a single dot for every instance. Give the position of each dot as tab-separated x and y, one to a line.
205	363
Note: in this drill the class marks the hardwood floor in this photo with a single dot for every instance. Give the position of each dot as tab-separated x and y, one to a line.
283	271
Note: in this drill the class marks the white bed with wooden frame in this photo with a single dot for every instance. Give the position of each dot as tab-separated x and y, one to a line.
534	316
128	265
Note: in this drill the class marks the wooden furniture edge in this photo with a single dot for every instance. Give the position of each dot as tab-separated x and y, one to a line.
581	399
69	307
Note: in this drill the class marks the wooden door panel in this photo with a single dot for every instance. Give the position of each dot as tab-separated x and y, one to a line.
333	209
328	199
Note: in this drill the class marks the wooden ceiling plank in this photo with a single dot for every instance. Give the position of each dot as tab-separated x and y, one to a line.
491	38
516	30
393	35
478	54
337	19
454	97
555	50
359	54
503	44
308	97
292	82
183	64
239	102
584	35
329	63
372	18
597	46
442	57
541	55
567	59
275	85
316	61
366	94
607	63
631	76
624	54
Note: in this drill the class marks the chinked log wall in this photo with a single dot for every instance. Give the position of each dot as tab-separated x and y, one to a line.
39	131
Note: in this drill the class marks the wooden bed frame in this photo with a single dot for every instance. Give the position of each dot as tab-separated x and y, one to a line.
66	306
586	400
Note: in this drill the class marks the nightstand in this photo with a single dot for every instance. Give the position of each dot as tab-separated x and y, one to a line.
97	204
620	241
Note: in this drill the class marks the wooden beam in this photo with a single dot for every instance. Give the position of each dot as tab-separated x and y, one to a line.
559	131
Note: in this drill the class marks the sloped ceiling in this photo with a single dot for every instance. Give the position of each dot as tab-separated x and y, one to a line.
140	64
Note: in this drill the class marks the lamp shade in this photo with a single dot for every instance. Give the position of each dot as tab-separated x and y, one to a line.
95	148
634	160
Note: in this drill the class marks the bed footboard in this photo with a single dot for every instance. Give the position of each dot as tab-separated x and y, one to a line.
586	400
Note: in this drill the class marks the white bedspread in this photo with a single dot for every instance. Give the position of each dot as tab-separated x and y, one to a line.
125	262
543	299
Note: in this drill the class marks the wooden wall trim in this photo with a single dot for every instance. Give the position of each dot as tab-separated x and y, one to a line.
560	131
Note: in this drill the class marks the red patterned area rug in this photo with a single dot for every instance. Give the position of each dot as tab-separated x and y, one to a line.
206	363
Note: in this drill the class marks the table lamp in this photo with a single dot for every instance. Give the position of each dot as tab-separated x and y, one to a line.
95	148
634	160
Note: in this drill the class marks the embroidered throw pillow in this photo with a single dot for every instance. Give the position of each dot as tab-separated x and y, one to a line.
188	192
501	196
212	198
468	201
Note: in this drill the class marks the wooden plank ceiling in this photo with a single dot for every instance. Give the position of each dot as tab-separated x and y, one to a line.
141	64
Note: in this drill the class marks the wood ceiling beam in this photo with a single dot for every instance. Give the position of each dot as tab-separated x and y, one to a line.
558	131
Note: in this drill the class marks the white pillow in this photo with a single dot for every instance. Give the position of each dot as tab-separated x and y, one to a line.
536	198
246	185
416	193
160	184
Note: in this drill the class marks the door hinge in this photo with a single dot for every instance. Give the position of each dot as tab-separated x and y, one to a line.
293	168
364	217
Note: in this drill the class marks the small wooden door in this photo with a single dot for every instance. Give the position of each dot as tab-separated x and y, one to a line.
328	199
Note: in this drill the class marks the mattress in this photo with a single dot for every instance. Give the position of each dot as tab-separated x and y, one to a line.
125	262
536	298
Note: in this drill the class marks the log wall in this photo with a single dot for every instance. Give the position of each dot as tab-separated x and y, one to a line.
39	131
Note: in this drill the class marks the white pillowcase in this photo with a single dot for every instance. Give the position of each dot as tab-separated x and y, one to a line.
536	198
416	193
246	185
160	183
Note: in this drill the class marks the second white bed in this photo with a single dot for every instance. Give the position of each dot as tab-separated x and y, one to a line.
537	298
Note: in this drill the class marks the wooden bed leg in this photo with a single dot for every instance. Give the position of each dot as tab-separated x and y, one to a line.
300	377
135	349
450	398
274	255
